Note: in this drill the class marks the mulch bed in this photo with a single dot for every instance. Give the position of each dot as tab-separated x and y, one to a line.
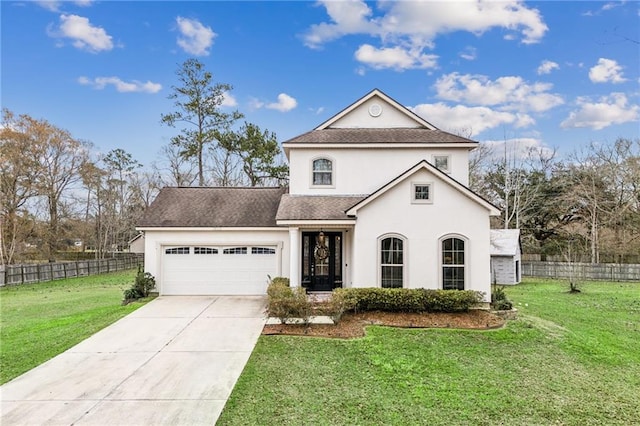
353	325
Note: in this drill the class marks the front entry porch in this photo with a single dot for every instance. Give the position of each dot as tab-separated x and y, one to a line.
322	260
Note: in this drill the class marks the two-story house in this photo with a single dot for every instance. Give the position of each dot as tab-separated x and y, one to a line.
378	197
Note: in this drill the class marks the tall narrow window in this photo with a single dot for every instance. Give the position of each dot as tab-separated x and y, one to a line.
453	264
391	262
322	172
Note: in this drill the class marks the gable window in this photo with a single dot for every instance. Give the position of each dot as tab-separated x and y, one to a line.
235	250
391	262
442	163
177	250
453	263
204	250
322	172
422	193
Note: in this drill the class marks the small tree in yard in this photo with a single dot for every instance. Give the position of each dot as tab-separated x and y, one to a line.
144	283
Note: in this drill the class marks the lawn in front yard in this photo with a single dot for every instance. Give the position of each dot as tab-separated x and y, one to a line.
570	359
39	321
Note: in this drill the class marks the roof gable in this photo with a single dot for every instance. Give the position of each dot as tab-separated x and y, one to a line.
213	208
363	113
493	210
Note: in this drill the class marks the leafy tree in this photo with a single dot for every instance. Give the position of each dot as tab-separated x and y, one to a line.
258	151
197	101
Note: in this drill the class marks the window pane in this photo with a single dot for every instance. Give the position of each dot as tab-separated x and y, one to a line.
391	276
322	178
442	162
322	165
422	192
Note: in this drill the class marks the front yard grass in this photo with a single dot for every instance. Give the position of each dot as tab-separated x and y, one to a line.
570	359
39	321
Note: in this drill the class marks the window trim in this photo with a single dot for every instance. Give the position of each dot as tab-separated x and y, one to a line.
466	265
178	250
415	200
199	250
405	258
235	250
448	157
333	172
263	250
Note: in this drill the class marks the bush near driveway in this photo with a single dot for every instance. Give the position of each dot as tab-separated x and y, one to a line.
39	321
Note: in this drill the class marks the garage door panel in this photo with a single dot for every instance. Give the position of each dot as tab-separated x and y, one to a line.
238	272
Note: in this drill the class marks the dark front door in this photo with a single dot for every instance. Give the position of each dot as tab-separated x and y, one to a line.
321	260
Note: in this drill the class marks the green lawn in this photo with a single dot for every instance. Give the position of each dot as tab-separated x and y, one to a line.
570	359
39	321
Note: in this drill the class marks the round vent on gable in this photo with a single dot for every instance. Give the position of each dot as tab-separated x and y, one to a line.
375	110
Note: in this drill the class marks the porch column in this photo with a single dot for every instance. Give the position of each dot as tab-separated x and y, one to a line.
294	257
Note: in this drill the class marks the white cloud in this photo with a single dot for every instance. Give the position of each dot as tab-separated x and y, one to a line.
607	111
84	35
285	103
607	70
518	149
100	83
469	53
510	92
396	58
547	66
54	6
194	37
604	8
413	26
472	120
228	100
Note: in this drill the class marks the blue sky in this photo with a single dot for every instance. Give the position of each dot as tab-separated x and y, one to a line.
552	74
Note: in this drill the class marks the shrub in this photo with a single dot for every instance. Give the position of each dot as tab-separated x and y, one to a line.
499	299
144	283
286	303
280	280
408	300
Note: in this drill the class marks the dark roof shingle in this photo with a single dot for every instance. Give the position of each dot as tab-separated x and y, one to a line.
392	135
316	207
213	207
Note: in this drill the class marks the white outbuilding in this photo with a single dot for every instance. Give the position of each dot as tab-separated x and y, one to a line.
506	252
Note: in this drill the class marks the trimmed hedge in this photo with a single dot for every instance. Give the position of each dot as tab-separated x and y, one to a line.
408	300
286	303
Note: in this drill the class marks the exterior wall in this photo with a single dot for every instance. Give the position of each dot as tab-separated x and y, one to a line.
137	246
390	117
423	226
155	240
362	171
503	270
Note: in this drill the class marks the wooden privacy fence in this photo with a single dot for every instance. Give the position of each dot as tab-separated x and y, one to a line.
582	271
23	274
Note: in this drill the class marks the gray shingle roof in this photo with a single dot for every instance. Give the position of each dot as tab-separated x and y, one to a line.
213	207
393	135
315	207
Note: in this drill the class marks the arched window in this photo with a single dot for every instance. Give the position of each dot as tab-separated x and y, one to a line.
391	262
322	172
453	263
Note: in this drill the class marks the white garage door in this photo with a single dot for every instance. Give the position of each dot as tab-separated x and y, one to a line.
217	270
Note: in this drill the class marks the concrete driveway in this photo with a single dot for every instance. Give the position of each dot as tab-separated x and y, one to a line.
172	362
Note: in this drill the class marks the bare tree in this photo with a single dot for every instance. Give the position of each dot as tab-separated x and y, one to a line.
18	171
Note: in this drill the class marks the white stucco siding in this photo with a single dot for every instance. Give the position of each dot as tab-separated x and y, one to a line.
362	171
389	117
157	240
423	226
